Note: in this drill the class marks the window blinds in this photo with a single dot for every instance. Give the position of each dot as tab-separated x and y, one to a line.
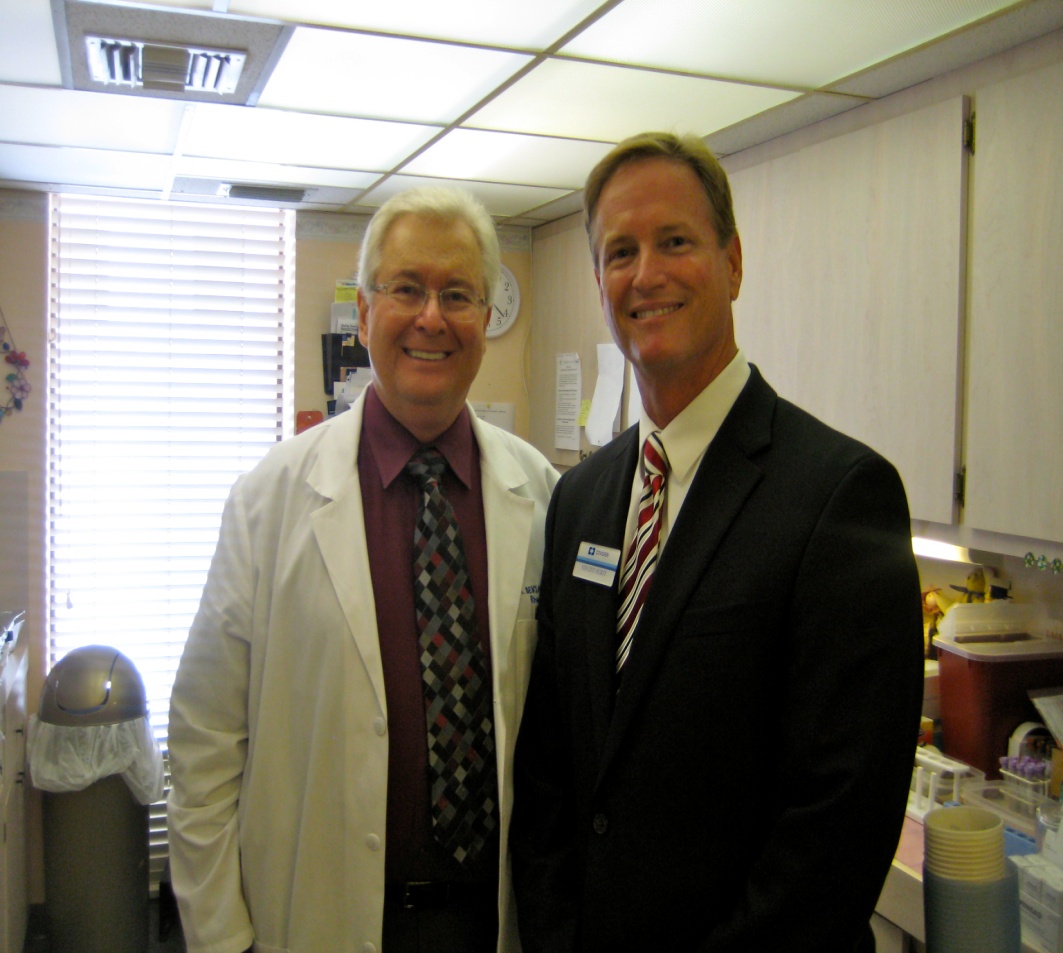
169	376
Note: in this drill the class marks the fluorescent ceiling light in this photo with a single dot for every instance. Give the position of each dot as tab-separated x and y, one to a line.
503	200
587	101
96	169
348	74
493	22
28	52
931	548
288	138
69	117
803	43
509	157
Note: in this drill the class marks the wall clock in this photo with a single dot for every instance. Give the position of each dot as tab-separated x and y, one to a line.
505	306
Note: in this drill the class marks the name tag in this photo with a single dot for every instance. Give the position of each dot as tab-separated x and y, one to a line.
596	563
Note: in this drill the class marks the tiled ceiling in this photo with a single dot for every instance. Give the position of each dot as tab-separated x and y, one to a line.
353	100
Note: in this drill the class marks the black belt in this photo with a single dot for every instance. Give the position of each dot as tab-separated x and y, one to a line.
421	895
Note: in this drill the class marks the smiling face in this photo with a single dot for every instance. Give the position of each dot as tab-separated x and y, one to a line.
424	365
665	282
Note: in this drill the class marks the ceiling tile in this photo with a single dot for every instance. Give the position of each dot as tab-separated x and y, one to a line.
500	200
509	157
27	43
523	25
289	138
1037	18
571	204
92	120
83	167
350	74
801	43
584	100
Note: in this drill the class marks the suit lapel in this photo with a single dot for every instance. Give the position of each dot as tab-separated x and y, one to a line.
723	482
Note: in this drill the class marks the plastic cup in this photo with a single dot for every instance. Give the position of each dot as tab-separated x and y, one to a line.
966	917
964	843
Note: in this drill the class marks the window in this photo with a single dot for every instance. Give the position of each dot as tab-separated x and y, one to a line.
169	376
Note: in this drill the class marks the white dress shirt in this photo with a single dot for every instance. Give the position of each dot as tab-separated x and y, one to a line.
685	441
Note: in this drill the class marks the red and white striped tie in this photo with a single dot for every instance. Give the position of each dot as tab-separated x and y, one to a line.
642	554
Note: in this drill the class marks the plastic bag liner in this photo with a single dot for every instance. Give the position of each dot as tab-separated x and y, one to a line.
66	758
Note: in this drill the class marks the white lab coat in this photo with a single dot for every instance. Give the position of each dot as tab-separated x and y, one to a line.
278	721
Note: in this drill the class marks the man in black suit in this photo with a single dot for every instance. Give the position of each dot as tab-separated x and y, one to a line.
714	753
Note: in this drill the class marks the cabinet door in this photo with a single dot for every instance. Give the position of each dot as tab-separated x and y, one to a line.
851	298
1014	428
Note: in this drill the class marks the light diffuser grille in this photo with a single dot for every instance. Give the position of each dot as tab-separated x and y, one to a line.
136	63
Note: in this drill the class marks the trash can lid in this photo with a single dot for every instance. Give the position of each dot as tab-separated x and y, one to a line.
93	685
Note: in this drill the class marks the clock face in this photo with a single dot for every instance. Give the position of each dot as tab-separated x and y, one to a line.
505	306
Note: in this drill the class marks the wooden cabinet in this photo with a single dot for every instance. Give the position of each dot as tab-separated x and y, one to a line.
12	800
910	295
851	299
1014	396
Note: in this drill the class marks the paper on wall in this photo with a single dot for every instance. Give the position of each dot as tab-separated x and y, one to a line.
344	317
605	405
501	415
568	388
347	391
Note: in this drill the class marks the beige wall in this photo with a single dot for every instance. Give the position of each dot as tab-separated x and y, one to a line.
24	299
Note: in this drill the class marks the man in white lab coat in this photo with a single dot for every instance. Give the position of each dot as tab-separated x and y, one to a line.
300	816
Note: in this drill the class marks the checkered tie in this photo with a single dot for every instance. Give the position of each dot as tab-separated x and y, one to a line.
457	697
642	554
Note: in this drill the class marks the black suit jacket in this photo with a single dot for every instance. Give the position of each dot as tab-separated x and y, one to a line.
744	787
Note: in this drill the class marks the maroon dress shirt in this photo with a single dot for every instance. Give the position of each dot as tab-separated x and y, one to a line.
390	501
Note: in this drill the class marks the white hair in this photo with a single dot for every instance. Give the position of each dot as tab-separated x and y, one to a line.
446	204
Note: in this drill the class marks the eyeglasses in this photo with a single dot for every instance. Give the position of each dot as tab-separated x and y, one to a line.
409	298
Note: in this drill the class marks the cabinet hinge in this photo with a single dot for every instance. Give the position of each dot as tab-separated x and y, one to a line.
968	134
959	485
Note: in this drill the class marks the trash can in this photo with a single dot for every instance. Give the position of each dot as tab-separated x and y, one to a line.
93	754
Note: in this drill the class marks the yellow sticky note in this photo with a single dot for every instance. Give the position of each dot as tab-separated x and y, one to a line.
584	412
346	290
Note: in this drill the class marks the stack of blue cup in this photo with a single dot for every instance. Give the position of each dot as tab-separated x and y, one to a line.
970	891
